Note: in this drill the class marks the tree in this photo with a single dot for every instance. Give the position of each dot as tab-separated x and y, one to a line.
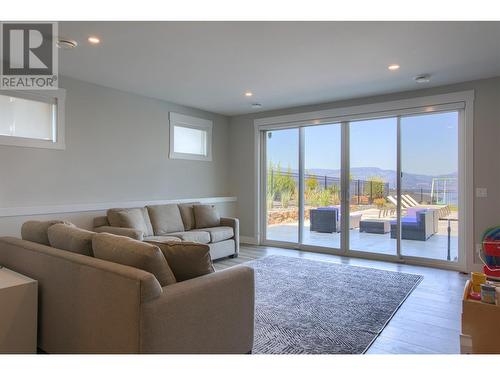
311	183
374	187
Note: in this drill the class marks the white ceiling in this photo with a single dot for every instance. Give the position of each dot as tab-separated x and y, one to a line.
209	65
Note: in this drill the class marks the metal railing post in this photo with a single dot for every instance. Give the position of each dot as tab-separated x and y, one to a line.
358	191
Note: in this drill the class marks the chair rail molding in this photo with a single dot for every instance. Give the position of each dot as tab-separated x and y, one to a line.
86	207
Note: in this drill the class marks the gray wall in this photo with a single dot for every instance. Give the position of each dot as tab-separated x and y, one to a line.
486	149
116	150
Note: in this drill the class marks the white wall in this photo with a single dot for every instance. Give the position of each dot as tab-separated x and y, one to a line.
116	150
486	150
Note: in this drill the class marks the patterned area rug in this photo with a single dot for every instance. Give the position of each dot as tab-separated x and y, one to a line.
314	307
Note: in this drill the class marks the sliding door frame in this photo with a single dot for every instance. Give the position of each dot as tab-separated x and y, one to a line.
459	101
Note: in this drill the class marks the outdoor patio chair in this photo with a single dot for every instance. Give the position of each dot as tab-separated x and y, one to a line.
323	219
419	227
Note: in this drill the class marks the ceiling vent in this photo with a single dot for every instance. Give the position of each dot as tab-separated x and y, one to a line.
422	78
66	43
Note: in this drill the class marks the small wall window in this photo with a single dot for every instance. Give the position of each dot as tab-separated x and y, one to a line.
32	119
190	137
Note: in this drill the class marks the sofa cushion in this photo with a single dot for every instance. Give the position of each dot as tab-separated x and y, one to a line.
193	236
165	218
187	259
135	218
206	216
129	252
218	234
187	214
101	221
71	238
36	231
162	238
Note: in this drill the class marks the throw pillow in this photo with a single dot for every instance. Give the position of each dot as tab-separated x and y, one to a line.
36	231
129	252
206	216
187	259
71	238
135	218
187	214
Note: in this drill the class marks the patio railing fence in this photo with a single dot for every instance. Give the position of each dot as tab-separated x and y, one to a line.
366	191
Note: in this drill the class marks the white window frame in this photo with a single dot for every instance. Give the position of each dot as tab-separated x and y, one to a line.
462	101
58	97
178	119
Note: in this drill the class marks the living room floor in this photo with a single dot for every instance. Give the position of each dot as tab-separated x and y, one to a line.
428	322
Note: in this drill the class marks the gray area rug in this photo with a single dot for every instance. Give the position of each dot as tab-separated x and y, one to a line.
315	307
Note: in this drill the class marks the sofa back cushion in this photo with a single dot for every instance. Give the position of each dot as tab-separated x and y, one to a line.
36	231
135	218
71	238
187	259
165	218
206	216
129	252
101	221
187	214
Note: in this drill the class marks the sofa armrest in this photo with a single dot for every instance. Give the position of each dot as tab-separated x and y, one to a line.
213	313
235	224
127	232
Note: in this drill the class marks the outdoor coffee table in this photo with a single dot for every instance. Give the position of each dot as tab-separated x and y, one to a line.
377	226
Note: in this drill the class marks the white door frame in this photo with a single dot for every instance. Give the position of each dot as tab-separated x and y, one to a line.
462	101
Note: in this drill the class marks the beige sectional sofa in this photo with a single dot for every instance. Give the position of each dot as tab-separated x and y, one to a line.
175	222
92	305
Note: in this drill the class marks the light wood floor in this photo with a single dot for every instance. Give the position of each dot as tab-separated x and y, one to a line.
429	320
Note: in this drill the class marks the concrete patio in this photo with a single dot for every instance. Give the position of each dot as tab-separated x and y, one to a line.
436	247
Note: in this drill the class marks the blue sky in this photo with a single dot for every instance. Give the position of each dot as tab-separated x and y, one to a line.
429	145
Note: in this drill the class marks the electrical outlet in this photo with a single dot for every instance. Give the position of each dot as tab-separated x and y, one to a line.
481	192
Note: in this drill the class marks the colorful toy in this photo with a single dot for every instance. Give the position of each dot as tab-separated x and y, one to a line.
488	293
490	245
477	278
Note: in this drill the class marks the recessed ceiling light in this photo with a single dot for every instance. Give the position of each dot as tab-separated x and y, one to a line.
393	67
66	43
94	40
249	93
423	78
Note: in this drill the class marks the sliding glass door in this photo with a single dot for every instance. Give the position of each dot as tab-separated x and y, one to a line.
429	186
372	181
282	190
321	185
395	179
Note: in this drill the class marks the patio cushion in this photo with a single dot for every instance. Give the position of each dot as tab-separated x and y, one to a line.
165	218
218	234
135	218
193	236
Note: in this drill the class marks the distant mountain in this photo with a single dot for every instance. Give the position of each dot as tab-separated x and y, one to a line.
410	180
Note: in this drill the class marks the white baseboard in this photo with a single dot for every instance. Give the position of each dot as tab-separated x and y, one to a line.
249	240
